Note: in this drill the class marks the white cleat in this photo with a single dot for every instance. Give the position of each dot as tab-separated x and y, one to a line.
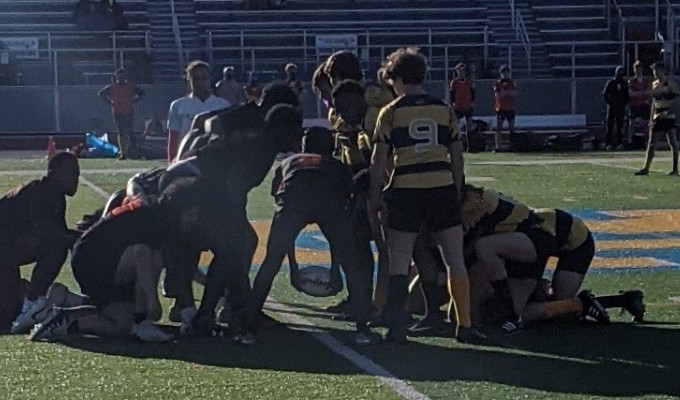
31	315
146	331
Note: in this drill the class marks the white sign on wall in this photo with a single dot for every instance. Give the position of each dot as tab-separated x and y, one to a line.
331	43
22	47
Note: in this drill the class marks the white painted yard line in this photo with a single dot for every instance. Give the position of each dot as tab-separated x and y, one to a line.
558	161
400	387
387	378
604	164
94	187
130	171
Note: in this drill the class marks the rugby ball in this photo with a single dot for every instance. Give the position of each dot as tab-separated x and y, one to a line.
315	281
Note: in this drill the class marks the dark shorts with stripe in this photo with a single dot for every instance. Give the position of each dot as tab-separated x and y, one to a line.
96	278
641	112
663	125
577	260
434	209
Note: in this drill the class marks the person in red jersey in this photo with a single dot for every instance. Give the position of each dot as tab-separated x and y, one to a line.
505	92
462	90
640	101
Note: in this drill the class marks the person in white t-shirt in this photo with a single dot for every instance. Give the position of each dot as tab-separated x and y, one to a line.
200	100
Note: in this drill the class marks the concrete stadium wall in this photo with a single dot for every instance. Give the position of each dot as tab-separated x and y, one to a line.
31	108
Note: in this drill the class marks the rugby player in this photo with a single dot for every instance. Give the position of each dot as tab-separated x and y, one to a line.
505	91
662	118
462	92
422	134
638	91
117	264
245	142
313	188
33	230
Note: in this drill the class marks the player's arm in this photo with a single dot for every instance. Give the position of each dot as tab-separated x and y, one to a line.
105	94
606	93
381	150
513	91
456	154
497	90
48	220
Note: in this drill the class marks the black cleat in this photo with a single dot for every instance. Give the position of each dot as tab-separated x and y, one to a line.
55	327
471	335
396	335
513	326
642	172
593	308
432	325
634	304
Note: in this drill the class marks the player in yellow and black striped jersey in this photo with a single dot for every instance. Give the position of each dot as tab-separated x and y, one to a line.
421	135
663	119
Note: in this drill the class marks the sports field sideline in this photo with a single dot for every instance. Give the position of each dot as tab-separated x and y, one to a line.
638	239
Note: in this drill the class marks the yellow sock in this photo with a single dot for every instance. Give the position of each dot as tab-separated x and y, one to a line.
459	288
562	307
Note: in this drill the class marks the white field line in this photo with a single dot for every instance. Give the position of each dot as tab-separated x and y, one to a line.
603	164
130	171
579	160
388	379
400	387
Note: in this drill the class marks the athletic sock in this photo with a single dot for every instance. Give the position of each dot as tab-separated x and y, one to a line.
504	299
675	161
612	301
397	294
459	288
562	307
433	297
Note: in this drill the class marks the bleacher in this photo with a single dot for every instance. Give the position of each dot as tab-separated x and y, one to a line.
576	36
53	25
288	33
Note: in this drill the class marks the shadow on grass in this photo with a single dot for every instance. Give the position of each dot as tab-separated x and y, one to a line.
618	360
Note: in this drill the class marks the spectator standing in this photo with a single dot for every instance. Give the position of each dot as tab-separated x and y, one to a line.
616	96
638	90
229	88
505	92
121	94
662	118
463	95
292	79
200	100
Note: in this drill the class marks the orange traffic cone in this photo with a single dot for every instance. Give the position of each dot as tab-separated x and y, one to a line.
51	147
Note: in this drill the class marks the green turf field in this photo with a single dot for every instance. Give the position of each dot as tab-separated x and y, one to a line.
556	361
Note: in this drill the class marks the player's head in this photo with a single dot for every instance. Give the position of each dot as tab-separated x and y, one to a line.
284	122
504	70
659	69
279	93
198	76
180	202
64	171
405	67
349	101
619	72
228	73
291	70
318	140
343	65
637	68
120	75
321	82
460	69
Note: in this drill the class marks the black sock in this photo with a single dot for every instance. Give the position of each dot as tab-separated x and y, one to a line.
433	297
139	317
613	301
397	294
504	299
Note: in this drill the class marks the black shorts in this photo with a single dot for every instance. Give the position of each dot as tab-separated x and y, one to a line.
545	245
508	115
434	209
639	112
460	114
96	278
577	260
663	125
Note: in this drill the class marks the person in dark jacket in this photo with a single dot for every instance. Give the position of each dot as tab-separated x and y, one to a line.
616	96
